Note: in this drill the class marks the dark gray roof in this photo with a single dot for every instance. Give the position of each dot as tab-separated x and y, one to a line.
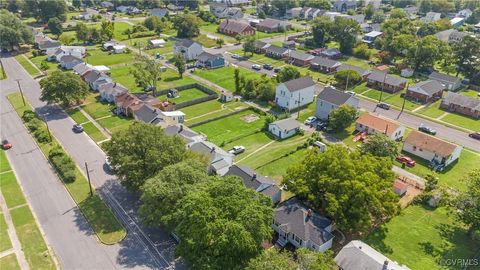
361	71
48	44
389	79
300	55
69	59
182	131
292	215
205	56
185	43
276	49
324	62
461	100
207	148
286	124
273	23
253	180
428	87
146	113
92	76
299	84
159	12
333	96
260	44
330	52
235	26
443	77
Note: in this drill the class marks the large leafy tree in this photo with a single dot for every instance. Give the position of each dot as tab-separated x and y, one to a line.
147	72
347	76
467	56
468	203
221	224
345	32
82	32
380	145
342	117
425	53
321	30
187	25
64	88
288	73
55	26
141	151
162	192
12	31
353	188
179	61
249	45
48	9
273	259
106	30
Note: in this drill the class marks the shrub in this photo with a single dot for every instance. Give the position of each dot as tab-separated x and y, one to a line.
143	34
33	124
42	136
28	115
63	164
362	51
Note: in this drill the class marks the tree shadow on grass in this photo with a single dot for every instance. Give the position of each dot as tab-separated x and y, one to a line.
377	240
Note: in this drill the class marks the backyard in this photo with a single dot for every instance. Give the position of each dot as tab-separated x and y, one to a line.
185	95
224	77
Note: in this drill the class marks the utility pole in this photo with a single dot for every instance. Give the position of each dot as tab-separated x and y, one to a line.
381	91
403	104
346	85
88	177
48	128
21	92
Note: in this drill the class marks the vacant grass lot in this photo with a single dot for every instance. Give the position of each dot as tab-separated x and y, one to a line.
432	110
96	56
115	123
4	165
26	65
119	28
205	41
225	76
185	95
9	262
88	126
37	60
231	127
420	238
201	109
5	243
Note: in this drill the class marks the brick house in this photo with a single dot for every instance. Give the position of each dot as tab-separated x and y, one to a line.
461	104
299	59
236	27
272	25
276	52
324	64
385	82
425	91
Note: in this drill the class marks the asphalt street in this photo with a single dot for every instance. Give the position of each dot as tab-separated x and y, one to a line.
144	247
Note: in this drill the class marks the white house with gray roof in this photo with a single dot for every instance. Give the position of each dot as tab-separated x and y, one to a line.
300	226
220	160
284	128
357	255
295	93
189	136
330	99
110	91
188	48
450	82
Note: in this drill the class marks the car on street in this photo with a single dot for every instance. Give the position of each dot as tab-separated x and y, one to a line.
6	144
474	135
235	56
351	93
383	105
321	126
406	160
77	128
256	67
268	67
237	150
310	120
427	130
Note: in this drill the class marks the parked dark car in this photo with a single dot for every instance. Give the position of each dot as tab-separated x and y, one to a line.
427	130
268	67
77	128
383	105
475	135
321	126
6	144
276	70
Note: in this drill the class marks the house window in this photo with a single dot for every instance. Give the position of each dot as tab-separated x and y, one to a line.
420	149
414	148
313	246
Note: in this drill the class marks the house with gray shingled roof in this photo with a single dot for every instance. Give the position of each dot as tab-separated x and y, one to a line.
425	91
330	99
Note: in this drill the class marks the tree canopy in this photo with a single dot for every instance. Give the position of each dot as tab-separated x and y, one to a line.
221	224
380	145
179	61
12	31
55	26
187	25
468	203
342	117
48	9
354	189
345	32
64	88
302	258
347	76
467	57
287	73
141	151
146	71
321	30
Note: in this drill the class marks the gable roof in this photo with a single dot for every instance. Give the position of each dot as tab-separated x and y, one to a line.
207	148
286	124
185	43
430	143
146	113
183	131
70	59
330	52
389	79
235	26
428	87
47	44
379	124
92	75
277	49
443	77
324	62
292	217
334	96
300	55
113	88
253	180
206	56
461	100
261	45
358	255
159	12
361	71
272	23
299	84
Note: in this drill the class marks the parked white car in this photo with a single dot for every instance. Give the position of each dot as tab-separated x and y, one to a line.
237	150
310	120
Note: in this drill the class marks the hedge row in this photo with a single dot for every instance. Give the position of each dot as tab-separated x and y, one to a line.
35	126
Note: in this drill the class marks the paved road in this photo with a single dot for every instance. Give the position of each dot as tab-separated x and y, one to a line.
144	247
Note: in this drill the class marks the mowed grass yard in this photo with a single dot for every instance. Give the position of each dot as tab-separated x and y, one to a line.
185	95
420	238
9	262
225	76
97	56
26	65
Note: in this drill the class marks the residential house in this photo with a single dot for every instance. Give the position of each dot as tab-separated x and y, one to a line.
385	82
233	3
276	52
400	188
110	91
284	128
477	27
219	160
299	58
451	35
358	255
107	5
359	18
430	148
464	13
331	15
257	182
95	79
293	13
300	226
95	86
210	61
411	11
457	22
371	124
175	8
85	16
450	82
272	26
127	104
344	5
69	61
314	12
406	72
295	93
226	96
82	68
461	104
223	11
375	3
146	114
304	12
188	48
166	106
158	12
114	46
324	64
361	71
370	37
289	44
365	27
261	47
156	43
330	99
188	135
431	17
236	27
425	91
77	51
332	53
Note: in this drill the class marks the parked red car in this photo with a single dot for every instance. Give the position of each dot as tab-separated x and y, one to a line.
475	135
6	145
406	160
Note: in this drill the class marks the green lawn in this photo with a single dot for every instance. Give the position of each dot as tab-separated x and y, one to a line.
278	168
470	93
4	165
115	123
9	262
11	190
432	110
3	75
185	95
119	28
201	108
26	65
356	62
307	112
93	132
420	238
98	109
77	116
251	143
225	76
96	56
168	48
205	41
52	66
462	121
5	242
230	127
